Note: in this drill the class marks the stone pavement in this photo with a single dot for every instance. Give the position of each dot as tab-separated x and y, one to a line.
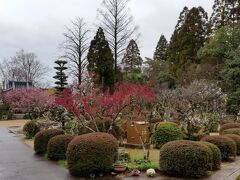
18	162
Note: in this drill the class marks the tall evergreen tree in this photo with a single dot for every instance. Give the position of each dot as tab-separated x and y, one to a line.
225	12
61	76
160	53
101	62
189	36
132	58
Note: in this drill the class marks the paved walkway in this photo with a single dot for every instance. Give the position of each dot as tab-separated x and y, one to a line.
18	162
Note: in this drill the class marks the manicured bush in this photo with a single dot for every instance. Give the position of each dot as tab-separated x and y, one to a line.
42	138
166	132
92	153
232	131
236	139
57	147
30	129
226	145
185	158
216	154
229	126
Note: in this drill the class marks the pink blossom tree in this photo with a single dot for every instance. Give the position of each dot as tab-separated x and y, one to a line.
29	101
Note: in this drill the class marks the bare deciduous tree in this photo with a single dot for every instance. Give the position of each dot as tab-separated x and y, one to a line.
118	25
76	46
23	67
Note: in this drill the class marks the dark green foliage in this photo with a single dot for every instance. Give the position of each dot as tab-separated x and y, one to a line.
134	76
168	80
101	62
132	59
232	131
226	145
42	138
189	36
236	139
225	12
229	126
92	153
216	154
57	147
30	129
160	53
166	132
61	76
185	158
141	165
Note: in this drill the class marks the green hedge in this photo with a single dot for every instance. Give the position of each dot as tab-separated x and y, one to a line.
216	154
30	129
229	126
232	131
166	132
92	153
226	145
236	139
42	138
185	158
57	147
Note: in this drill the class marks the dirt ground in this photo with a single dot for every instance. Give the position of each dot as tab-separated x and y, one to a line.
10	123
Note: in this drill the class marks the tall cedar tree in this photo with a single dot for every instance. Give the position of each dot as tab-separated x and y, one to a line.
160	53
101	62
132	58
189	36
118	25
61	76
225	12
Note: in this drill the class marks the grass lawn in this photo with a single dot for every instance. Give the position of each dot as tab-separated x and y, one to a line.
10	123
138	154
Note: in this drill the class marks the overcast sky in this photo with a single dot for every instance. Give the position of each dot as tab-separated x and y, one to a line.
37	25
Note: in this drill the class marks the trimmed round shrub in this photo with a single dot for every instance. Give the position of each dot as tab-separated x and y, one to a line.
232	131
42	138
57	147
229	126
166	132
185	158
236	139
226	145
216	154
92	153
30	129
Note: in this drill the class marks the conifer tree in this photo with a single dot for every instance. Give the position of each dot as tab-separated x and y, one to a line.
225	12
161	49
189	36
101	62
61	76
132	58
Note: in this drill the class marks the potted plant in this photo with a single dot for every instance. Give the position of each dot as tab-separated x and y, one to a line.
120	167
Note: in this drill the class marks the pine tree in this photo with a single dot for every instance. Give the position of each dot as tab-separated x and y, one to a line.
161	49
132	58
225	12
61	76
189	36
101	62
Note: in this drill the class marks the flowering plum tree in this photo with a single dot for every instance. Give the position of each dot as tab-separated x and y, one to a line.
29	101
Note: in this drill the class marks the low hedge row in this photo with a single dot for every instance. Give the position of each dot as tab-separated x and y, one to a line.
226	145
57	147
229	126
30	129
236	139
232	131
42	138
92	153
185	158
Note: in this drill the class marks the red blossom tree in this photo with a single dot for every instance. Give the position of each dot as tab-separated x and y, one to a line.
29	101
